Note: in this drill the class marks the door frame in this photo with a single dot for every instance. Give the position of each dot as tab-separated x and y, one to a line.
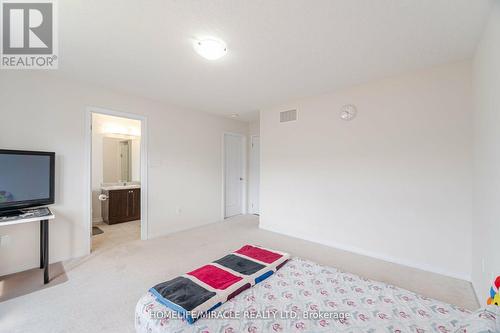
251	174
244	173
88	167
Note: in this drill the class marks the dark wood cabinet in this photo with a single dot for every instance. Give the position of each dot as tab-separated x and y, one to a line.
121	206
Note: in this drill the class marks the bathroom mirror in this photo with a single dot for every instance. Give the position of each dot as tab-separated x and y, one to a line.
117	160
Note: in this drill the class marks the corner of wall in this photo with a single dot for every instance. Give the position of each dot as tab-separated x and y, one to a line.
485	263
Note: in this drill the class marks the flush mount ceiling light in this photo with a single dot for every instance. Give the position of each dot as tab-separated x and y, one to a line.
120	130
348	112
235	115
210	48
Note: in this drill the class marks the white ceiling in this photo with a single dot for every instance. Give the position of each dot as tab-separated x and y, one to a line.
278	49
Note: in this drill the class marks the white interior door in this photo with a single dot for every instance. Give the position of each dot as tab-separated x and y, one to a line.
254	185
234	168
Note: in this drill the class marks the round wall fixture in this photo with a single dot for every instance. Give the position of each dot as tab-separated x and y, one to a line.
348	112
210	49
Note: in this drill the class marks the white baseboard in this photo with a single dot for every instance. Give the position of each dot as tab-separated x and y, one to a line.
400	261
96	220
36	264
476	292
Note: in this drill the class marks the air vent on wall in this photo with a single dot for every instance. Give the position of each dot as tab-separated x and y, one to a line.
289	115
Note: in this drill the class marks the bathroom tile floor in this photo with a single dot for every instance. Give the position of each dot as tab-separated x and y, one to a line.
115	234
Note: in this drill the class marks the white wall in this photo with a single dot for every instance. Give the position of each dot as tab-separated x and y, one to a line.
41	112
97	173
486	222
254	127
394	183
253	174
136	159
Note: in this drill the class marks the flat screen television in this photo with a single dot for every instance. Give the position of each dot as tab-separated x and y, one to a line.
26	179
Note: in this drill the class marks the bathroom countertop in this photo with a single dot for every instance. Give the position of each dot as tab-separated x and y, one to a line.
119	187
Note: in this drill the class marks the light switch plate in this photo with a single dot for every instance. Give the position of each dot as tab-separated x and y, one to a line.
155	163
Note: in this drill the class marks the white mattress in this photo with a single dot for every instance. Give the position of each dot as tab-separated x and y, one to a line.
304	288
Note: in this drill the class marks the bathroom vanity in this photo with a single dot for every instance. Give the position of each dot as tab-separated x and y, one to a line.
123	204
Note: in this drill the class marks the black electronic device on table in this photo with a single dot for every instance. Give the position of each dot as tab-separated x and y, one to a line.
26	180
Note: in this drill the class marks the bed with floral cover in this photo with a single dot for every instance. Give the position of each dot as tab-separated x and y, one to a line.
307	297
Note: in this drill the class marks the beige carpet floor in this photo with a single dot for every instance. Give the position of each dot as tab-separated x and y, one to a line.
98	293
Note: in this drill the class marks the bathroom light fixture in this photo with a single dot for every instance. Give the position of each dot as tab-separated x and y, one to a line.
210	49
348	112
235	115
121	130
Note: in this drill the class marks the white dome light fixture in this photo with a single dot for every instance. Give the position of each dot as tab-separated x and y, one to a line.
348	112
210	48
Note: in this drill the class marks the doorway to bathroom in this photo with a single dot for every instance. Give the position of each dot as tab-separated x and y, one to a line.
117	173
